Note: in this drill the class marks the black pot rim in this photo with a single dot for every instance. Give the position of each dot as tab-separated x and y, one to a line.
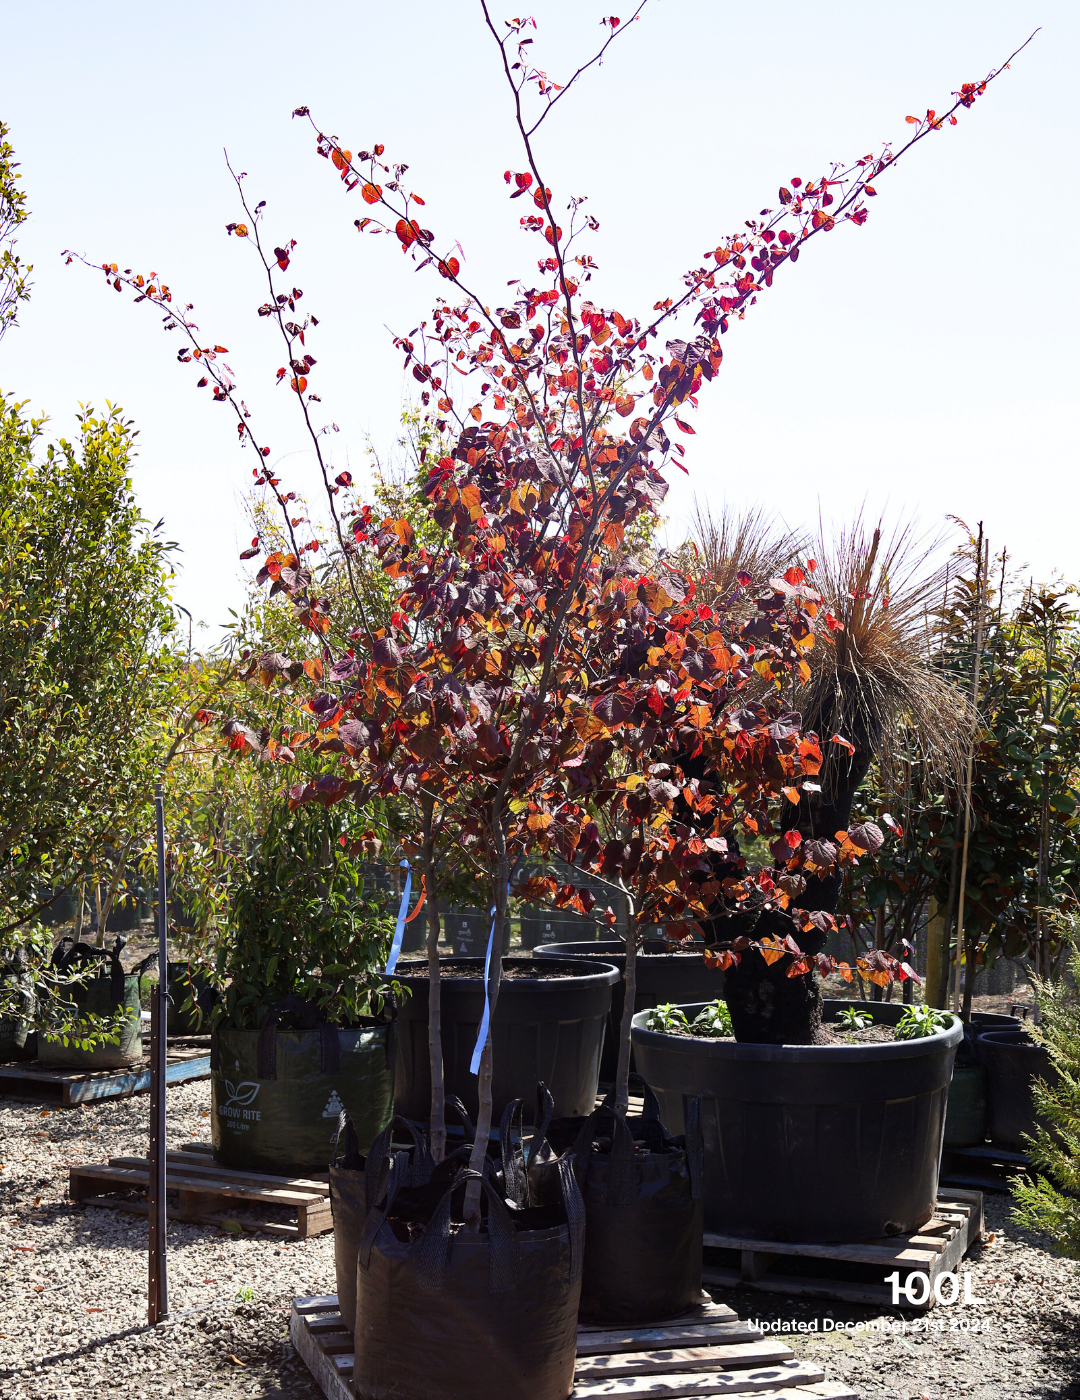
587	972
1018	1039
796	1054
562	949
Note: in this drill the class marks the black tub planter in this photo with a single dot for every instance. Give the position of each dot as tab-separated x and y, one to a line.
663	977
815	1143
277	1095
1013	1061
548	1025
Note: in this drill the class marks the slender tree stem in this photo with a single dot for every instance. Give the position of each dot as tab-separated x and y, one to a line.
622	1073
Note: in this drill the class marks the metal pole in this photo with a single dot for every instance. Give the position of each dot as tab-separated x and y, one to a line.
158	1308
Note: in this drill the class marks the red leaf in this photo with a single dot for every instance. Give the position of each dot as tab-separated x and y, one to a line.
371	193
839	739
684	427
450	268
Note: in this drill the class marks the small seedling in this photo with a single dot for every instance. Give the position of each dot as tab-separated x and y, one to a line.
714	1019
854	1020
667	1018
246	1294
918	1021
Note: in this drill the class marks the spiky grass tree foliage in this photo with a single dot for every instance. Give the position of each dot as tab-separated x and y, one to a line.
868	687
726	543
1051	1203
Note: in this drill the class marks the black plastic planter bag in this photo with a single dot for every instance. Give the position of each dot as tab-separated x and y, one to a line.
643	1206
448	1314
17	1040
112	993
355	1180
277	1095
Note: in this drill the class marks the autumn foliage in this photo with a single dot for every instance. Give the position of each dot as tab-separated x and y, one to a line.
536	685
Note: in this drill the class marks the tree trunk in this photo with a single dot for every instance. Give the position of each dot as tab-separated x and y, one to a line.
622	1073
484	1115
437	1121
879	942
767	1006
80	898
937	957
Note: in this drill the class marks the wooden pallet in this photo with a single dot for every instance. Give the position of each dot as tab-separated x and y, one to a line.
705	1352
205	1191
70	1087
852	1273
982	1167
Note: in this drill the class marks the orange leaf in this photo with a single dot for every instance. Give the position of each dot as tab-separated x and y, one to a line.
450	268
772	950
624	405
372	193
299	385
684	427
313	670
241	230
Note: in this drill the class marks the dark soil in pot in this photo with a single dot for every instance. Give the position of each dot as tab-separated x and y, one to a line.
812	1143
548	1025
1013	1061
663	977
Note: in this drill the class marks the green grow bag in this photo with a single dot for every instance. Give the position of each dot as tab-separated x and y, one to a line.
17	1040
103	996
276	1096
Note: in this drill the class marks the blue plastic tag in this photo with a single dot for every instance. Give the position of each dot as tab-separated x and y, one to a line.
485	1020
399	930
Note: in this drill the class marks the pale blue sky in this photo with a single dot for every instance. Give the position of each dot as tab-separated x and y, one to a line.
927	360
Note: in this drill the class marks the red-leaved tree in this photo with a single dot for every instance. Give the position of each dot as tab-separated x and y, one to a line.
531	672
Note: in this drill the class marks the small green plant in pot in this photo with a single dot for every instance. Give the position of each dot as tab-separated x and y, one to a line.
300	1030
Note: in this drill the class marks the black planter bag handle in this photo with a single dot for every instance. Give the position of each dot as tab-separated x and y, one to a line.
304	1012
515	1164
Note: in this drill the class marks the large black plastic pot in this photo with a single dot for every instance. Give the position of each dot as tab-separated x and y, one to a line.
815	1143
548	1025
545	926
1013	1061
662	977
467	932
983	1021
965	1117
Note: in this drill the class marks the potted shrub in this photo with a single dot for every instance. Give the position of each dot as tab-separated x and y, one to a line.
101	995
301	1029
663	973
783	1066
468	698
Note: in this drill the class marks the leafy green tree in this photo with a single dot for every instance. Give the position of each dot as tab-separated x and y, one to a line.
1051	1203
14	273
86	672
302	922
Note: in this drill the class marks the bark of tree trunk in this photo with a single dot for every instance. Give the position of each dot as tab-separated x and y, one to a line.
767	1006
622	1073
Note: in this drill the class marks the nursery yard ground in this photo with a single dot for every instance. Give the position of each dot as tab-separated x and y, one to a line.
73	1292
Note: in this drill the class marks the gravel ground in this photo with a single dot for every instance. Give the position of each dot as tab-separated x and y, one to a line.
73	1292
1021	1343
